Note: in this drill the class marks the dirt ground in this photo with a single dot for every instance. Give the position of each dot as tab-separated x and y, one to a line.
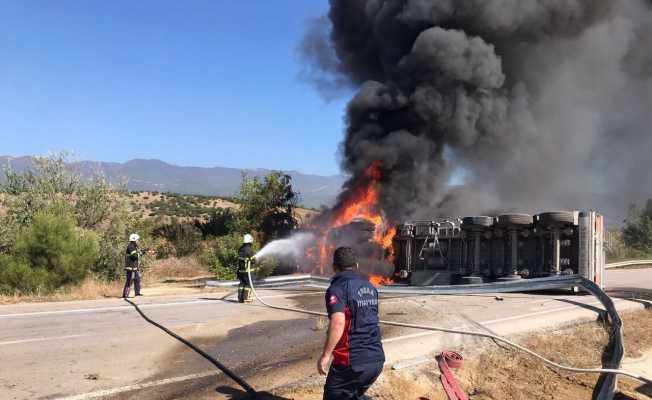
504	374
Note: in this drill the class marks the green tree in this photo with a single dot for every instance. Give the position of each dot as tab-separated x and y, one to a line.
637	233
48	254
220	223
52	186
51	183
94	202
184	237
267	205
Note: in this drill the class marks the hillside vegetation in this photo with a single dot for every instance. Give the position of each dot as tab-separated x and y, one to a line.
58	230
189	206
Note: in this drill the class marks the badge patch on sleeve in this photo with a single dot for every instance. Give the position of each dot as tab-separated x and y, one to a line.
333	299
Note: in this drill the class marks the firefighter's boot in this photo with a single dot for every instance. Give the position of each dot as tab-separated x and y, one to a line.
241	293
248	297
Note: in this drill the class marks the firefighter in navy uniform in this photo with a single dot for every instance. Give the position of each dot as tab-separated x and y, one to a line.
132	258
245	264
353	344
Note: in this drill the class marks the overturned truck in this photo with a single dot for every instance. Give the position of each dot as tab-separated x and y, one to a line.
506	247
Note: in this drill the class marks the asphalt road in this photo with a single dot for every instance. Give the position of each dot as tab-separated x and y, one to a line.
104	349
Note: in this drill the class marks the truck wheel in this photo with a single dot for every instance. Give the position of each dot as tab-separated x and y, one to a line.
477	222
507	220
556	218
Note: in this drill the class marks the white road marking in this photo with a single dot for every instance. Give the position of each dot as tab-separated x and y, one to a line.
42	339
128	388
128	307
98	309
138	386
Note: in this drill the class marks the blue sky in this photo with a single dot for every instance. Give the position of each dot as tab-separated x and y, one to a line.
202	83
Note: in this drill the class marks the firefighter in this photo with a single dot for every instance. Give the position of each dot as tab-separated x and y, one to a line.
353	345
245	261
132	258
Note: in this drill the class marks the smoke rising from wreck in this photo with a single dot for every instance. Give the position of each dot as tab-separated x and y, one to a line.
542	104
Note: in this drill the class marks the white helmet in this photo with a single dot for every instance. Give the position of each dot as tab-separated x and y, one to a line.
248	239
134	237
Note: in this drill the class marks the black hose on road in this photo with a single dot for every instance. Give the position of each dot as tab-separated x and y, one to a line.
250	390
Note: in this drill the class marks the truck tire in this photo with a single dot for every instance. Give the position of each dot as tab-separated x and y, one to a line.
477	222
556	218
506	220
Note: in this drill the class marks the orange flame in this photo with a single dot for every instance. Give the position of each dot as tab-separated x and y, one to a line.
379	280
361	203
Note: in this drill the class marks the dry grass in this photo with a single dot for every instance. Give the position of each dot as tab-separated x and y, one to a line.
177	269
510	375
90	289
504	374
186	268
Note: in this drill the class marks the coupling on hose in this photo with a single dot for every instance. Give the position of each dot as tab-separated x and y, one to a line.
452	358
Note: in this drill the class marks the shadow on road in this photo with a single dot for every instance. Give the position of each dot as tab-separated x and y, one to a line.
196	349
645	389
632	293
236	394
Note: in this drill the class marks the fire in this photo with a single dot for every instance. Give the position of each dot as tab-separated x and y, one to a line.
361	203
379	280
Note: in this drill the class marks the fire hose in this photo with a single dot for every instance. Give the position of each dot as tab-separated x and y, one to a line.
240	381
448	360
608	384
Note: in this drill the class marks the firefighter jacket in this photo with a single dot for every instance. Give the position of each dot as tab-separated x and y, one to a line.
246	258
132	257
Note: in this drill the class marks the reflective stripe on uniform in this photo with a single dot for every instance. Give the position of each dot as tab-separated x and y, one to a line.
247	265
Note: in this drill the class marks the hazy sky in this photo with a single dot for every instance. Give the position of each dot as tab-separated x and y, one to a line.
199	83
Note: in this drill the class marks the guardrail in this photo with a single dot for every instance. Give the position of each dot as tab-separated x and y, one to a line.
275	281
629	263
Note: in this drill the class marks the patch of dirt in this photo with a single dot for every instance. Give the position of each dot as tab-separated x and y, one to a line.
505	374
508	374
174	268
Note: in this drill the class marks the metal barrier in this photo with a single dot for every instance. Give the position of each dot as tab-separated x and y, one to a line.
629	263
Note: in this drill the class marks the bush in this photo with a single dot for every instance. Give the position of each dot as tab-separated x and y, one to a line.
17	276
50	253
616	249
220	223
94	203
637	233
163	248
184	237
222	258
267	266
114	234
111	259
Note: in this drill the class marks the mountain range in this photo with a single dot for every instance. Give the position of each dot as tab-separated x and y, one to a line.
157	175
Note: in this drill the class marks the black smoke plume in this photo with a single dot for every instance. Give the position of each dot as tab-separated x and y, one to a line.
541	104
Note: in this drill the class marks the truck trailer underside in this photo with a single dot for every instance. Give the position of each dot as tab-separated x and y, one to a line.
474	250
